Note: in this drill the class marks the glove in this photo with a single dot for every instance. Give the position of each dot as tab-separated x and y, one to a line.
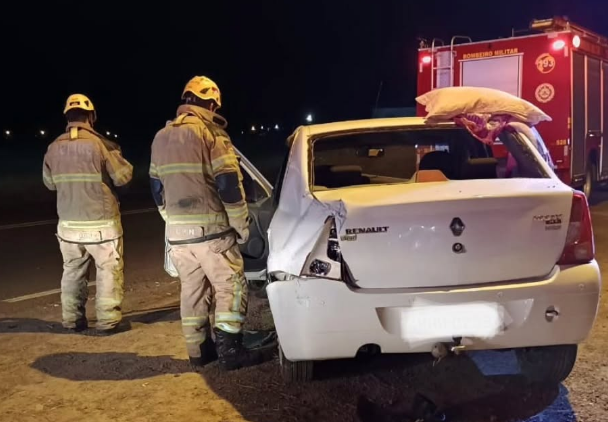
242	231
242	235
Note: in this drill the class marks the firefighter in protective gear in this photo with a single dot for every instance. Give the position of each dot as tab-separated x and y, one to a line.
197	185
84	168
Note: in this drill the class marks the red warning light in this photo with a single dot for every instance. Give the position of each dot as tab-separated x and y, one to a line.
576	41
426	59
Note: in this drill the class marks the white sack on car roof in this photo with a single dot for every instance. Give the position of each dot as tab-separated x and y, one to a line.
447	103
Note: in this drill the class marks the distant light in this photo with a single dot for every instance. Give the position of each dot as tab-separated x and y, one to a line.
115	135
107	133
426	59
309	118
262	127
7	132
242	132
559	44
42	132
253	128
276	127
576	41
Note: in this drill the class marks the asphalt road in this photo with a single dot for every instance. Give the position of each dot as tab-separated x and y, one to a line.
31	261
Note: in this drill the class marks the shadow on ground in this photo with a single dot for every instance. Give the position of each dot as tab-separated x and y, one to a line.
108	366
382	389
33	325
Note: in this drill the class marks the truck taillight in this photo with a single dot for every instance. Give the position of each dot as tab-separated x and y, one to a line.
426	60
580	246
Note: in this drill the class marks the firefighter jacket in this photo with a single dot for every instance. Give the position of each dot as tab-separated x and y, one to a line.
84	167
194	163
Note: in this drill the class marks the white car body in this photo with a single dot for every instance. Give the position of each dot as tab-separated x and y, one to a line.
414	287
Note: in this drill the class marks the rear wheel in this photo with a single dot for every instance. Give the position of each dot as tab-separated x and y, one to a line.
548	363
301	371
590	180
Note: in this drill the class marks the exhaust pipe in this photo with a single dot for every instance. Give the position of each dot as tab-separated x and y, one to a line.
443	349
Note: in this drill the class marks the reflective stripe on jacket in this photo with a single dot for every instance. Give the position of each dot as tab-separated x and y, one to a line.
83	168
187	155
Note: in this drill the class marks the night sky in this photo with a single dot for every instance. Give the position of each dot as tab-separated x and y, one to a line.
274	61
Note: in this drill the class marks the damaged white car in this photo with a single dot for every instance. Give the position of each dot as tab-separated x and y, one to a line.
399	236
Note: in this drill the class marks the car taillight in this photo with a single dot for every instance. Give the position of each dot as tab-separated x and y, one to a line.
325	260
580	247
333	247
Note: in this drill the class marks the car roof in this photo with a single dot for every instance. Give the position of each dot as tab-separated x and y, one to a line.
325	128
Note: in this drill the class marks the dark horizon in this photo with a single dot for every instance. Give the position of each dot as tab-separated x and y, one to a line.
274	62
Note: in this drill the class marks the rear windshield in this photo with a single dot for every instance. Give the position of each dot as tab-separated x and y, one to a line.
417	155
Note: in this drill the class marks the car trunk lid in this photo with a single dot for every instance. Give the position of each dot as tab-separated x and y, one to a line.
452	233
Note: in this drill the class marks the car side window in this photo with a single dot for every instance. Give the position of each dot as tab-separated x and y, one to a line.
542	148
254	191
520	162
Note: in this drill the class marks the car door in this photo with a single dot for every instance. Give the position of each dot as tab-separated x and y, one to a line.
258	194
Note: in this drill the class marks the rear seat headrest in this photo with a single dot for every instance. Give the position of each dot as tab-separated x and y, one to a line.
438	160
346	169
346	175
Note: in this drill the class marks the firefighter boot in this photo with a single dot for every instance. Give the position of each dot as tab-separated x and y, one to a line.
233	355
208	354
78	327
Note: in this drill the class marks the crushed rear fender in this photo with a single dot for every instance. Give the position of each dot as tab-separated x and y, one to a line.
292	237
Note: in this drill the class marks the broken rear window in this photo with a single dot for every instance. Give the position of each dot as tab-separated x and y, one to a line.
405	155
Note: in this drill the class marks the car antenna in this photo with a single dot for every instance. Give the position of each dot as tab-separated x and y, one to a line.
378	98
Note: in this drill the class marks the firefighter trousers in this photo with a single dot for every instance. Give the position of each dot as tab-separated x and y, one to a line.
214	289
108	258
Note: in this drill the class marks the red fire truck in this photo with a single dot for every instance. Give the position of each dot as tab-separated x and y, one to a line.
559	66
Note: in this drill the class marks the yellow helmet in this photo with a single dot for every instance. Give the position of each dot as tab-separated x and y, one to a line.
80	101
204	88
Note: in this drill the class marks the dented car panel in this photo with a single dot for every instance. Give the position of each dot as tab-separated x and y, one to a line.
300	217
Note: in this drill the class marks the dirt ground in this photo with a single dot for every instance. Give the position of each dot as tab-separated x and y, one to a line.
143	375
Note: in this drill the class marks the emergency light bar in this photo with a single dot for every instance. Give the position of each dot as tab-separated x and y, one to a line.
558	24
550	25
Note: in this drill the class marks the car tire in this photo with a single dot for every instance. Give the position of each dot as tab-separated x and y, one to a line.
590	181
294	372
547	363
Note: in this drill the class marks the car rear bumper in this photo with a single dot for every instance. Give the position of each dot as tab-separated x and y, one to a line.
319	319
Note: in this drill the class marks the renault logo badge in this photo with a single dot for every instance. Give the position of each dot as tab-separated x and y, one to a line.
457	226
